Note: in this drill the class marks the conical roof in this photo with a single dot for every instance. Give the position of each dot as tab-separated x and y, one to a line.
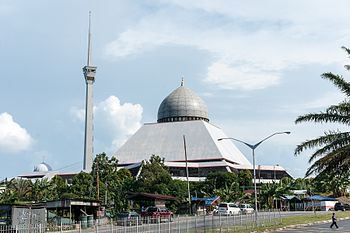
182	104
166	140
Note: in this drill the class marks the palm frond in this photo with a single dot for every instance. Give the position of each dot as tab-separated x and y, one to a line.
337	160
338	81
346	49
323	117
342	109
338	140
335	137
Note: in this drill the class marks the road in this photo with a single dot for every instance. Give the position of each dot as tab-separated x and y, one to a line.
199	223
344	227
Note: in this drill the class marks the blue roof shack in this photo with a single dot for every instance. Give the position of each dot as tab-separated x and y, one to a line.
317	202
319	198
204	205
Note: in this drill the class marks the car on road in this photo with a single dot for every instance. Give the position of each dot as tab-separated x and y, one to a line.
156	214
341	206
228	209
130	218
246	209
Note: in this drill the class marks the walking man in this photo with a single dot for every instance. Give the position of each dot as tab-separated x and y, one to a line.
334	221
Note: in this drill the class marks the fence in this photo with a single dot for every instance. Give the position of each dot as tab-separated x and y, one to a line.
178	224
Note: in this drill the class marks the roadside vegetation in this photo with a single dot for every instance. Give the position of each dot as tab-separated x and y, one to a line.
111	186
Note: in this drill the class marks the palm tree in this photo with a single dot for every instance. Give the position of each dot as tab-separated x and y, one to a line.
17	190
333	148
40	190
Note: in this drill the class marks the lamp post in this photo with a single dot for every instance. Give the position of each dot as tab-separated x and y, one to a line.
253	147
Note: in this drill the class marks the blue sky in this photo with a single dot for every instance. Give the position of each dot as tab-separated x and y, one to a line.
256	64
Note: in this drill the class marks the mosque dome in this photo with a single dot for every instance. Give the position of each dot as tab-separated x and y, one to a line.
42	167
182	104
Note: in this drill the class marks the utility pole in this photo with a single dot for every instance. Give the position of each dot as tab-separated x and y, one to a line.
97	181
188	183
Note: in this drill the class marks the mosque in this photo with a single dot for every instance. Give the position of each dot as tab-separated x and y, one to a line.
185	138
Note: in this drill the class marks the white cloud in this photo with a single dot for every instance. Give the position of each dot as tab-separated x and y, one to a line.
244	35
79	114
122	119
328	99
230	77
13	138
318	104
114	121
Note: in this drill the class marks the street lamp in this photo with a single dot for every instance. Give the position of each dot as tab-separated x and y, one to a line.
253	147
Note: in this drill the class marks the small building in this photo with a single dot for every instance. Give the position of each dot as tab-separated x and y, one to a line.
317	202
149	199
204	205
291	203
23	216
71	210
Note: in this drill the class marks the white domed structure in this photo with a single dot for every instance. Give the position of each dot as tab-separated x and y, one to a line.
182	105
182	113
183	117
42	167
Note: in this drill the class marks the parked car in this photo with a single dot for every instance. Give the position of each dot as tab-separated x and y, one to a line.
130	218
246	209
228	209
342	207
156	214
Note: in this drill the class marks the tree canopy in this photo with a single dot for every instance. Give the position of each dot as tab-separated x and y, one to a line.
332	150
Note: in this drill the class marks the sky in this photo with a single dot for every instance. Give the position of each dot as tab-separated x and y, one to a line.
256	64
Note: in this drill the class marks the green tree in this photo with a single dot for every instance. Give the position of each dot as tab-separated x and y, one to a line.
229	192
245	178
335	183
332	150
82	186
270	192
154	177
59	188
118	189
113	184
105	169
40	190
220	180
17	190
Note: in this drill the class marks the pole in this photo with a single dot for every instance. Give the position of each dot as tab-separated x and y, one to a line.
255	193
188	183
253	146
106	197
97	181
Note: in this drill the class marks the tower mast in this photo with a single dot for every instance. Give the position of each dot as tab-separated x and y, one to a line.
89	75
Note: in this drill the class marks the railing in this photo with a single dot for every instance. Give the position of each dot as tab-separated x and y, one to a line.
176	224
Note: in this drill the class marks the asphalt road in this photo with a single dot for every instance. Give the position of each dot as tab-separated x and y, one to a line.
344	227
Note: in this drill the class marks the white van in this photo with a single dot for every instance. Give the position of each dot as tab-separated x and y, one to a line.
246	208
228	209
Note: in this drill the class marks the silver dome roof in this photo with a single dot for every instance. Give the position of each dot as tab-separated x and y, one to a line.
42	167
182	104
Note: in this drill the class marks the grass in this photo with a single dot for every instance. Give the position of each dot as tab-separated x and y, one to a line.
295	220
